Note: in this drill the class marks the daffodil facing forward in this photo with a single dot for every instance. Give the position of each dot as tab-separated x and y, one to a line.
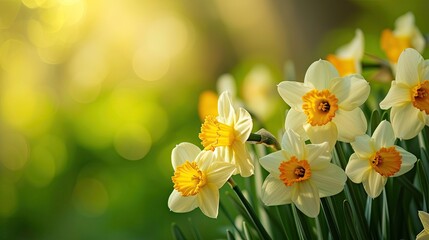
300	174
405	35
227	135
424	234
408	95
326	107
347	59
376	159
198	175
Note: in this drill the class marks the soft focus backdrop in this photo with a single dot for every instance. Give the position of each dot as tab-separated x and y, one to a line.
95	94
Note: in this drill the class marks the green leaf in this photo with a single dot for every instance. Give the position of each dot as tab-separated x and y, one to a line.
176	232
229	235
423	179
353	228
374	121
329	213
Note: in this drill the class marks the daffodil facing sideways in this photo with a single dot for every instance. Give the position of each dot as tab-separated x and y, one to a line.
325	107
376	158
227	134
405	35
300	174
347	59
198	175
408	96
424	234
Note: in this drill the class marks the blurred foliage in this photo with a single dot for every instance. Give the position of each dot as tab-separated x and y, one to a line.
95	94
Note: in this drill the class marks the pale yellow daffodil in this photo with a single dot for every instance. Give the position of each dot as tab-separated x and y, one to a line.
424	234
376	159
227	134
300	174
198	175
408	95
347	59
326	107
405	35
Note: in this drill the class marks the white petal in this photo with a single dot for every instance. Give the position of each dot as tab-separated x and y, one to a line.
275	192
351	91
363	146
306	198
225	108
405	121
320	73
292	93
350	124
383	135
295	120
242	159
271	162
354	49
205	159
398	94
179	204
407	71
408	160
219	172
243	125
329	181
208	200
423	235
184	152
374	184
226	82
326	133
357	169
318	155
424	218
292	143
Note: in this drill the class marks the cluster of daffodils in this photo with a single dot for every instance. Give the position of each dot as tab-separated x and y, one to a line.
324	109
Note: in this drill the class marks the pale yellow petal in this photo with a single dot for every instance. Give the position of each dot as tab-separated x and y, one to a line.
351	91
225	109
358	169
179	204
408	161
424	218
242	159
275	192
318	155
292	92
350	124
208	200
184	152
398	94
383	135
243	125
295	120
271	162
406	122
219	172
306	198
329	180
326	133
423	235
292	143
363	146
374	184
407	71
319	74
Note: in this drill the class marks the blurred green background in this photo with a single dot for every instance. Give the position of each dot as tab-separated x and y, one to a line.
95	94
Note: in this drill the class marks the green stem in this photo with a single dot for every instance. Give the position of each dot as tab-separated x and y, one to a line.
264	137
261	230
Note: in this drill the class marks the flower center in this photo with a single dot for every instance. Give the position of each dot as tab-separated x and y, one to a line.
188	179
294	171
386	161
420	96
394	45
319	106
344	66
214	134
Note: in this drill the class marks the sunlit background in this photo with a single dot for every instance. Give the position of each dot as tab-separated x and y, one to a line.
95	94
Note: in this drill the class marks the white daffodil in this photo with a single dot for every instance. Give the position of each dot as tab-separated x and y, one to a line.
405	35
408	95
376	158
227	135
347	59
300	174
326	107
424	234
198	175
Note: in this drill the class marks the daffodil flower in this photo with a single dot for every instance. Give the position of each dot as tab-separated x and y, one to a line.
405	35
376	159
300	174
408	95
347	59
424	234
227	135
198	175
326	107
